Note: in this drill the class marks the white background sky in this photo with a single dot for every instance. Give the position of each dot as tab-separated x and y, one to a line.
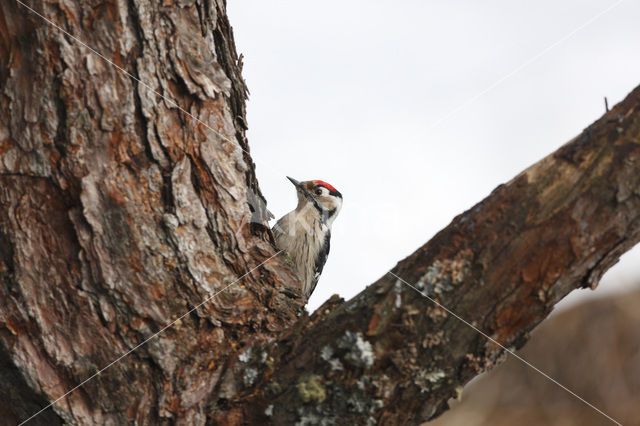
416	110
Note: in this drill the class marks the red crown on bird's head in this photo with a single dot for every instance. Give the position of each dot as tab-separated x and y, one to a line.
325	184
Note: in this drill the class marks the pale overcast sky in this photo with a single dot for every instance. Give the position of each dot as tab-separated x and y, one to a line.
416	110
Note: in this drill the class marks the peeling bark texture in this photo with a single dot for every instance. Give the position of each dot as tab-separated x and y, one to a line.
119	213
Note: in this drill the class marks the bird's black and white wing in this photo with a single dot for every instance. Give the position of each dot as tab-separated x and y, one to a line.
321	259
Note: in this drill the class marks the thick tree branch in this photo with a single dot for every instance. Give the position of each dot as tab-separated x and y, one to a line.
390	355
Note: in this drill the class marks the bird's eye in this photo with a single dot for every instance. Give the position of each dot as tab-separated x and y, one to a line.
318	191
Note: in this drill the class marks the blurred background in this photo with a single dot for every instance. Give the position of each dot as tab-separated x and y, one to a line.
592	348
415	110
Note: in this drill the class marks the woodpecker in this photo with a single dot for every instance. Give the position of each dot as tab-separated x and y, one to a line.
305	232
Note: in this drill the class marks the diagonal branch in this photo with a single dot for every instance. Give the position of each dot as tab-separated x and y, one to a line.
391	356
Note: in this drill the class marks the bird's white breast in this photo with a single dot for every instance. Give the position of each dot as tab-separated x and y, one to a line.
301	234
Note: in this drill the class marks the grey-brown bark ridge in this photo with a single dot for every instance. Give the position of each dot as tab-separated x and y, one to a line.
120	212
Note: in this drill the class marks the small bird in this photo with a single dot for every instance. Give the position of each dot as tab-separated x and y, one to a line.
305	232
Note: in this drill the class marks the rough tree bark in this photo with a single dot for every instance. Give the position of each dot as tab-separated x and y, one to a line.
120	212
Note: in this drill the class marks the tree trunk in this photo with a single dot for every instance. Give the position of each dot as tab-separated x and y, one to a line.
122	210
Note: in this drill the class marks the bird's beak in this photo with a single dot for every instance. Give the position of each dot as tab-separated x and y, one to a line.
296	183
